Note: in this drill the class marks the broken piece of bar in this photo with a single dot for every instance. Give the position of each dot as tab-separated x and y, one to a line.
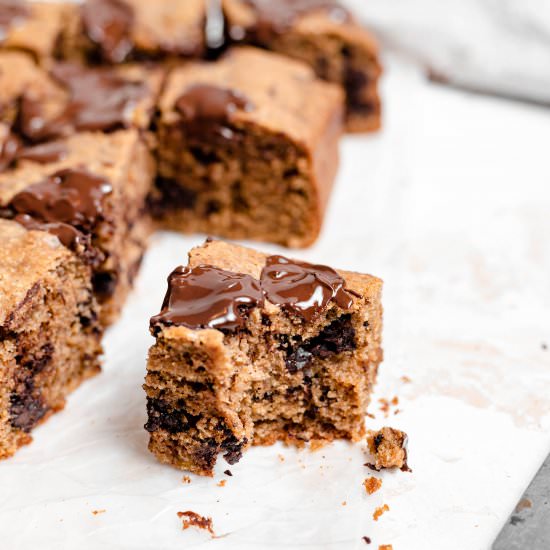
323	34
33	27
49	330
248	148
252	349
116	31
89	190
389	449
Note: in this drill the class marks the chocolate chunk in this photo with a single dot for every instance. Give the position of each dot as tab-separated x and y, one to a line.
206	112
335	338
100	100
303	289
104	284
43	153
108	24
12	12
163	417
233	449
172	196
9	150
73	197
273	18
208	297
204	101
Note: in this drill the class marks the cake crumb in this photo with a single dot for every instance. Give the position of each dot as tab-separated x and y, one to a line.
523	504
370	415
379	511
385	547
228	473
395	400
97	512
344	503
281	458
372	484
389	448
397	411
186	479
222	483
367	539
192	519
406	379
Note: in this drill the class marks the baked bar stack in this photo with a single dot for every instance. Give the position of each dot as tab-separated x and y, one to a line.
252	349
248	148
49	329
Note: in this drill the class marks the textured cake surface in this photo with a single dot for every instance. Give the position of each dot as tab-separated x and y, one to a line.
49	330
292	356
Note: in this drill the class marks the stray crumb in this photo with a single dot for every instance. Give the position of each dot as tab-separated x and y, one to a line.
385	547
192	519
384	406
379	511
222	483
96	512
186	479
344	503
389	448
281	458
370	415
228	473
544	346
395	400
397	411
367	540
406	380
523	504
372	484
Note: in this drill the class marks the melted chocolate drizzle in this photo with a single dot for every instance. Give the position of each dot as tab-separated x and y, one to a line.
43	153
11	12
108	24
207	102
100	99
302	288
274	17
73	197
208	297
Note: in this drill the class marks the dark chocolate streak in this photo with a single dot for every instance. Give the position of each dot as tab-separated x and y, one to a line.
11	13
208	297
275	17
100	99
108	24
303	289
68	204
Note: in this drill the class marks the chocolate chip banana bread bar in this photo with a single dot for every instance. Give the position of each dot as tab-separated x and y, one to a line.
115	31
252	349
89	190
248	148
33	27
49	330
41	105
323	34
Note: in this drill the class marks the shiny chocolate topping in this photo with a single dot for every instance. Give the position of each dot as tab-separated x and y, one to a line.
207	102
44	153
11	13
100	99
67	234
73	197
108	24
208	297
302	288
276	16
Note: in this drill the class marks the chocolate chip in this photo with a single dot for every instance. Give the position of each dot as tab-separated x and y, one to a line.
162	417
172	196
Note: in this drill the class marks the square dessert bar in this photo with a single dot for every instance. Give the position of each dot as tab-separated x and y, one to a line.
34	27
114	31
49	330
248	148
89	190
44	104
323	34
251	349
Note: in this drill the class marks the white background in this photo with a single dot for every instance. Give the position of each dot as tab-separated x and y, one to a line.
450	205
